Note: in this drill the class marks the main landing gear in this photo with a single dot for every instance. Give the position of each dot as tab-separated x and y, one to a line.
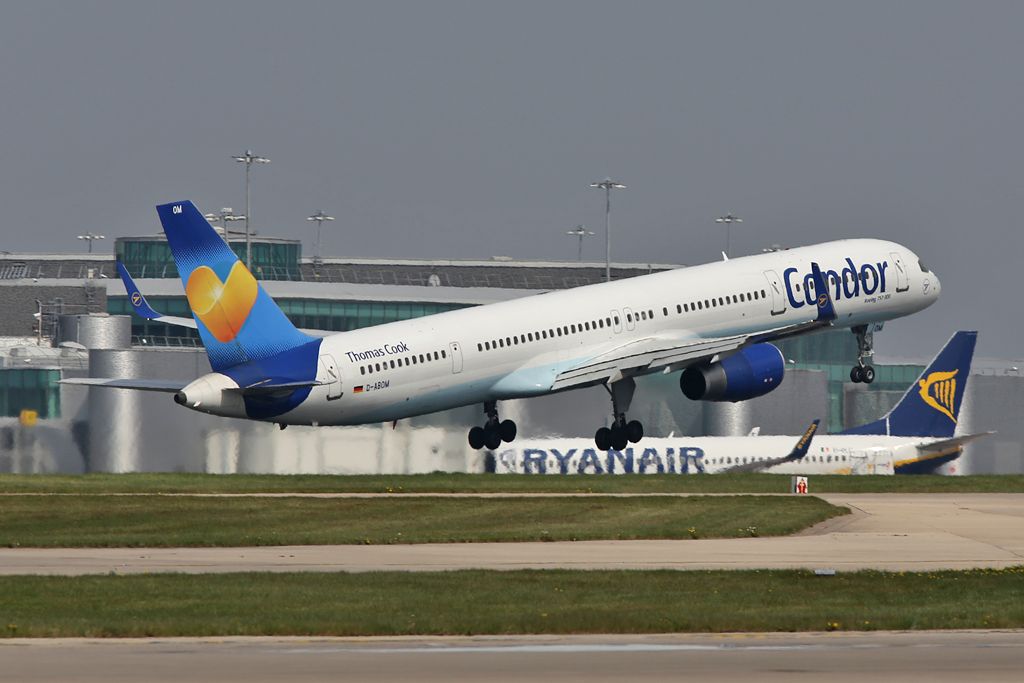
621	433
494	432
862	371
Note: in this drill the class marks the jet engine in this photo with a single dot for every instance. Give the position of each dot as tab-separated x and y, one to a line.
748	373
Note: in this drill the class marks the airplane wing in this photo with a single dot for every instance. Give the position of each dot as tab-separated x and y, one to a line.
675	353
168	385
798	452
174	385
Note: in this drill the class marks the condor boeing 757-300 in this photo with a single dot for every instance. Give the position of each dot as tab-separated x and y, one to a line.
713	322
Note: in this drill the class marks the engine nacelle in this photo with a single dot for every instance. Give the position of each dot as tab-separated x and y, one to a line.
748	373
212	394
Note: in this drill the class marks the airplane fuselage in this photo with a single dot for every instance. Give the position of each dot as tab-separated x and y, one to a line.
828	454
516	349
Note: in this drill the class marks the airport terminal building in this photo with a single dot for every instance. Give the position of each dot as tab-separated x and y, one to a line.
68	315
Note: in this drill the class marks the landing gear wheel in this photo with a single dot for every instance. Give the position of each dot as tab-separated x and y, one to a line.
507	429
619	438
634	431
867	374
476	438
492	438
603	439
856	374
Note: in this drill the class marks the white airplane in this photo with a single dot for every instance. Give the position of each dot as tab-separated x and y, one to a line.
915	437
714	322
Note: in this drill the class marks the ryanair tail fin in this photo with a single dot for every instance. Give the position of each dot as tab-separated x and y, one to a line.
237	320
931	405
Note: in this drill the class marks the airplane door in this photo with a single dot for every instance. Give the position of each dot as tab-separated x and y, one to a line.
329	367
775	289
456	350
616	322
630	320
859	463
902	278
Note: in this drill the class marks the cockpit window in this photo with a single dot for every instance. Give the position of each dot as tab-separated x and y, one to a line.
924	268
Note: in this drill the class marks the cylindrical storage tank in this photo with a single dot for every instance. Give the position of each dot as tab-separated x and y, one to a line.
114	414
728	419
96	331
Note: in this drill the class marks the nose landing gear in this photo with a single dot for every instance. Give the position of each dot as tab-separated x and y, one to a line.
621	433
494	431
863	371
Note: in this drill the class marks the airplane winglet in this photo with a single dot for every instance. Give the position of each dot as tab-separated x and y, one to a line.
135	296
801	447
142	307
826	311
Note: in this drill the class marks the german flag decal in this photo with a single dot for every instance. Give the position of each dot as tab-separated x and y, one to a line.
357	390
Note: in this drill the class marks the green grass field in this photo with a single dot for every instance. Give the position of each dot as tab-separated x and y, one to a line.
175	521
489	483
478	602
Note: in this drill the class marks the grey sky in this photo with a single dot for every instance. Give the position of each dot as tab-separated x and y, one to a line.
468	129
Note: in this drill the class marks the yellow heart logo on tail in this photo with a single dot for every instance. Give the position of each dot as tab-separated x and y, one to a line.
222	306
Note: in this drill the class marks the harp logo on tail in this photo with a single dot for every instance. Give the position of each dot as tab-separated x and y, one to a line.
938	390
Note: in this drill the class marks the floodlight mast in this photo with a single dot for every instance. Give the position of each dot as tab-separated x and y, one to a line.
728	219
224	216
607	184
580	231
319	217
91	237
249	158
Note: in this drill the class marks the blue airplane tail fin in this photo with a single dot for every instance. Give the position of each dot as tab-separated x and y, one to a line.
237	320
931	405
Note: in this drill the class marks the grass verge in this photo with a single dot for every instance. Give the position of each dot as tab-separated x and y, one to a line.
517	602
160	521
489	483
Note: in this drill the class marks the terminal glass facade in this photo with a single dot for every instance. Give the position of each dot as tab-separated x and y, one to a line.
151	258
30	389
835	352
316	314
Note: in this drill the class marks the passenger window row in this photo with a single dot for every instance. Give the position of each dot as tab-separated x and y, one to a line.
714	302
551	333
602	323
403	361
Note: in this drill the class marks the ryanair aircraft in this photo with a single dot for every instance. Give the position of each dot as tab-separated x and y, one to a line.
713	322
915	437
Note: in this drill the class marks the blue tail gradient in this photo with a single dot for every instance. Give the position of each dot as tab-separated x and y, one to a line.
931	405
237	320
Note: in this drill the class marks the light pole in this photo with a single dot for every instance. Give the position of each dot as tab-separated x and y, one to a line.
224	216
319	217
728	219
580	231
91	237
608	185
249	158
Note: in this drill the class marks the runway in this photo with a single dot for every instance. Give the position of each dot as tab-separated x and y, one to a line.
898	532
935	657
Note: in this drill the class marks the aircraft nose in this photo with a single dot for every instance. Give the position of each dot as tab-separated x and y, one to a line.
936	285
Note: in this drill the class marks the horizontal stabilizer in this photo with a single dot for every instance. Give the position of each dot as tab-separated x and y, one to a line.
168	385
269	387
947	444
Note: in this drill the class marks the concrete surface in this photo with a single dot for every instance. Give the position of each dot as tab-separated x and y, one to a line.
899	532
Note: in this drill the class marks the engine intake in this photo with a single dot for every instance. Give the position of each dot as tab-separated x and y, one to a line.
748	373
